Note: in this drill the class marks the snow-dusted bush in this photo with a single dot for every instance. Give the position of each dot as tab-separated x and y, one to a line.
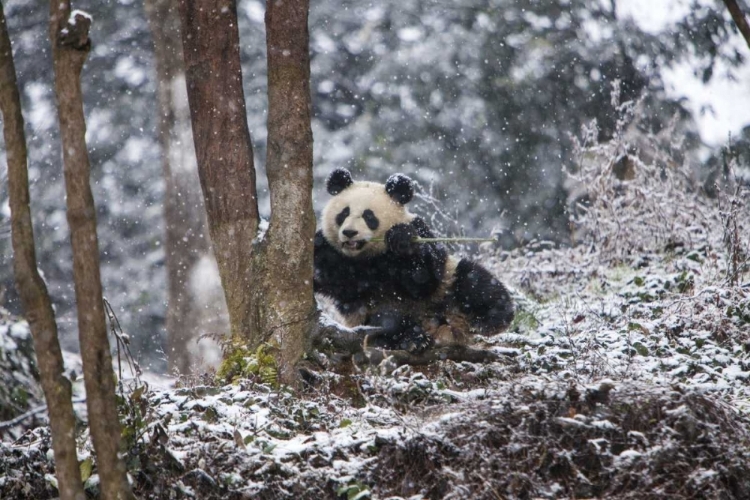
640	193
19	379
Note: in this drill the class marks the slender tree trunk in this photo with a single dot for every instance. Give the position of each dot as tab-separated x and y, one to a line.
31	286
184	213
290	303
70	46
268	283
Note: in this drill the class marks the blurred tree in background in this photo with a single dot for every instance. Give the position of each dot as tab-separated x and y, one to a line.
474	98
186	241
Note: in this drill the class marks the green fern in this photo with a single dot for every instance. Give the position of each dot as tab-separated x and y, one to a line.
239	362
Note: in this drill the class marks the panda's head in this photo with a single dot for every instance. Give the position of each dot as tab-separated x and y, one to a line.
362	211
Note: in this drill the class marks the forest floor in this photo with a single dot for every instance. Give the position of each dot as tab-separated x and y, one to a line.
619	382
626	374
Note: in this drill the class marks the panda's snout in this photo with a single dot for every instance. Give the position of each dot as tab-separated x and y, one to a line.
351	244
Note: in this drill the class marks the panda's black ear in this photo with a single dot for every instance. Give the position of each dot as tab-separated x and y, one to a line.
400	188
339	180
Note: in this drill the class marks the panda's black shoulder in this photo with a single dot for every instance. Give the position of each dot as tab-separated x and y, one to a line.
320	241
324	253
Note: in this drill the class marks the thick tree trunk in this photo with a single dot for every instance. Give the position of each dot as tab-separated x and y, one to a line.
31	286
70	46
267	284
225	154
290	303
184	213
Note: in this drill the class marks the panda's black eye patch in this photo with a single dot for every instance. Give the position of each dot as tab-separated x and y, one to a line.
341	217
370	219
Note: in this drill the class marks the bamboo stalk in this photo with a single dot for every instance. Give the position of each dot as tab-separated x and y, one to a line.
442	240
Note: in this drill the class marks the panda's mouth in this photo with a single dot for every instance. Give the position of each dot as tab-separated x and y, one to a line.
354	244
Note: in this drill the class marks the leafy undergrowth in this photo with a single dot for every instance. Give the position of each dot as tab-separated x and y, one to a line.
19	378
622	381
525	437
626	376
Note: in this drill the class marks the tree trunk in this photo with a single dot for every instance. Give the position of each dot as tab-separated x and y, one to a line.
289	301
224	152
186	239
70	46
267	283
31	286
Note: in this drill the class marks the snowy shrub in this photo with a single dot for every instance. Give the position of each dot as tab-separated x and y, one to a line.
19	379
638	193
543	442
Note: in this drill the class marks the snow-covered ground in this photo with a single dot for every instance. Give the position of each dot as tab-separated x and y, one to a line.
620	381
625	374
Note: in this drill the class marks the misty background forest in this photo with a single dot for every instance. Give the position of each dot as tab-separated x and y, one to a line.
477	100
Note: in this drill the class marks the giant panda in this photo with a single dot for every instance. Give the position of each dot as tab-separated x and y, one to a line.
414	293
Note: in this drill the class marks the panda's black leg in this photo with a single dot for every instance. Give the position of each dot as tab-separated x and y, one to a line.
482	298
397	331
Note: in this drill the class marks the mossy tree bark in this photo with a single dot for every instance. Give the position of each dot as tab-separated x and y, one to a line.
186	235
267	281
31	287
70	46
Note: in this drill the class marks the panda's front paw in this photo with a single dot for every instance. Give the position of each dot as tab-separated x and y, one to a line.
416	340
412	338
400	239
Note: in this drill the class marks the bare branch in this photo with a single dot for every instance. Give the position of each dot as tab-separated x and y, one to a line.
739	19
453	352
34	411
332	336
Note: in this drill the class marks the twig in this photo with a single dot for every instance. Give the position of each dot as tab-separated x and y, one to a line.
344	339
39	409
123	343
453	353
442	240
